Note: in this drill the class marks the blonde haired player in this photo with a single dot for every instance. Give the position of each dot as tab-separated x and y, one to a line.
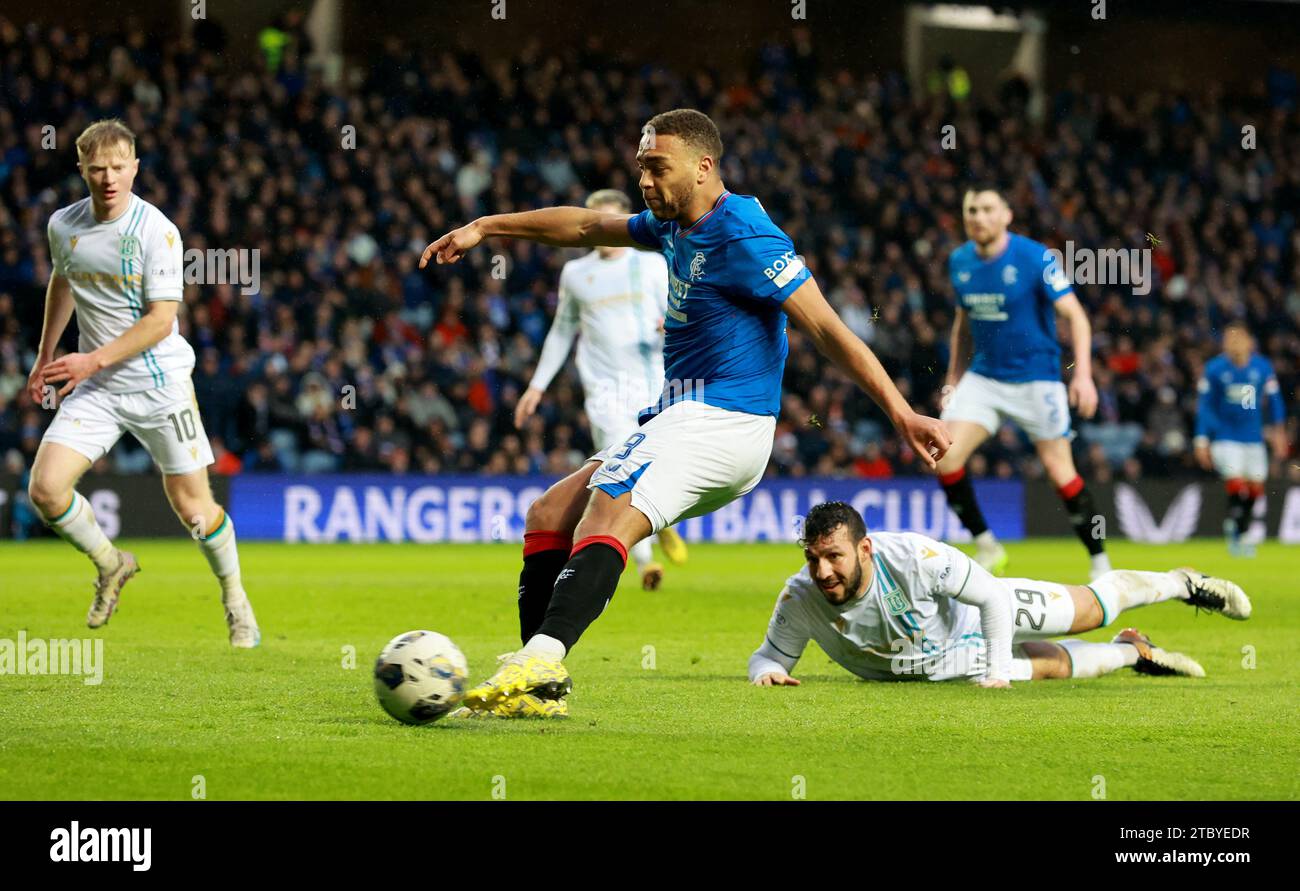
893	606
117	262
615	298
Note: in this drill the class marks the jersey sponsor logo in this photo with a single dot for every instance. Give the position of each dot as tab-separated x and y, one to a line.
985	307
1241	394
72	242
171	239
926	554
786	267
105	277
697	265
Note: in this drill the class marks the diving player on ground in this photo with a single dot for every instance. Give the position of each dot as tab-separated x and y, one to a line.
1230	429
613	300
733	278
900	606
1008	297
118	264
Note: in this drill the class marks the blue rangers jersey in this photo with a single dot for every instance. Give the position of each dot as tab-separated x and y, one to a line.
729	273
1009	302
1232	399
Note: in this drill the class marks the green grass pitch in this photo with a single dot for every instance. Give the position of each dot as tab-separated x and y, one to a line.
289	721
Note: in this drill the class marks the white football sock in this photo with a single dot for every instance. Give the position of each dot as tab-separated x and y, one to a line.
1100	565
544	645
986	541
223	555
1092	660
1122	589
642	554
78	527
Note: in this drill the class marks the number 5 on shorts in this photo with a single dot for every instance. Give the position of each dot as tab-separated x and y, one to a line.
184	421
632	442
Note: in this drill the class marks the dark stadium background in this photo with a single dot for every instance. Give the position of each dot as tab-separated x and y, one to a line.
1140	133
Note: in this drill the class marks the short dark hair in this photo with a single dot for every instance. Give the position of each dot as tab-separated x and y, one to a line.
825	518
695	128
982	185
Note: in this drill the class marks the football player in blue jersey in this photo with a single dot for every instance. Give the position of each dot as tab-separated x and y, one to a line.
733	278
1234	388
1005	364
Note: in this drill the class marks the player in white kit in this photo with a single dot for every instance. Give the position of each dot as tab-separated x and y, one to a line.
118	263
612	301
901	606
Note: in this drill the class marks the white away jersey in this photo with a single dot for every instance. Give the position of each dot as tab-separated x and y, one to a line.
908	624
116	269
617	305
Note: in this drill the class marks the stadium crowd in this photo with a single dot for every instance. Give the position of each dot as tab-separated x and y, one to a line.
351	359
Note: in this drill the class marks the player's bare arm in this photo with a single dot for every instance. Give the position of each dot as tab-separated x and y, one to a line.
959	351
59	307
147	332
556	226
812	315
1083	392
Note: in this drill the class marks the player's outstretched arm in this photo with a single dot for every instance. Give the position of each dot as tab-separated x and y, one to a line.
992	598
59	306
812	315
558	226
147	331
1083	392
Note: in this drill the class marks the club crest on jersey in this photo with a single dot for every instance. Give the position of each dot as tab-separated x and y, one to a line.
1009	275
697	265
128	247
895	602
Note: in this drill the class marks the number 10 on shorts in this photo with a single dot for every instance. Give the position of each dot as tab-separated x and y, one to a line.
183	422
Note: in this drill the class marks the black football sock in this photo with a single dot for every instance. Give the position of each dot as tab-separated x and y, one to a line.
1248	498
584	588
961	498
1082	511
545	554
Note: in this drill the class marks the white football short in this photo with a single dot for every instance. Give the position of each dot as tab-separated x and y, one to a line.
608	430
1240	460
1040	408
687	461
1039	610
166	421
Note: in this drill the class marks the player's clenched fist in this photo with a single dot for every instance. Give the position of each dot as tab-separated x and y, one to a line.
928	437
452	246
775	679
36	382
1083	396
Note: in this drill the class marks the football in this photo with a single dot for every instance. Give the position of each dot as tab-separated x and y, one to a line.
420	676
